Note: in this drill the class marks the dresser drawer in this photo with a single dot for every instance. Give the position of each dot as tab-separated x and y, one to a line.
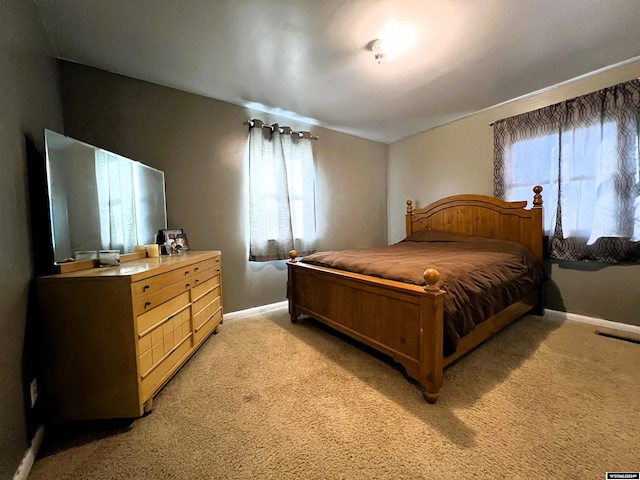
155	345
163	371
204	308
205	300
204	287
208	326
148	302
205	265
199	278
152	284
147	321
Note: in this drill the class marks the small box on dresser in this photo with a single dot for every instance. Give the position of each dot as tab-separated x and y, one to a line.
113	337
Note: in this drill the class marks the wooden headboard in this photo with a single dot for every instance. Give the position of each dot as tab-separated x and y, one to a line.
482	216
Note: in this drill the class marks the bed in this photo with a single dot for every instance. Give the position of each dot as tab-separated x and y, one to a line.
423	323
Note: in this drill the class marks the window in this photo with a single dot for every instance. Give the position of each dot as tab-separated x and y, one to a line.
281	193
585	154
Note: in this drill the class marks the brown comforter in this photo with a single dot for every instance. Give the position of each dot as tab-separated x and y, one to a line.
481	275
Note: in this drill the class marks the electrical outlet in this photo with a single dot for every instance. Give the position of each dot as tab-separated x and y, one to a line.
33	388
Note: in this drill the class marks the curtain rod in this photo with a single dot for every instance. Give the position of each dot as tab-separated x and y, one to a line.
281	129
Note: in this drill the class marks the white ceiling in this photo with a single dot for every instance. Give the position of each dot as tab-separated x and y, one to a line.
308	60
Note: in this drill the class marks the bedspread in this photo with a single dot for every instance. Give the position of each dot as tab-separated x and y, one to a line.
481	275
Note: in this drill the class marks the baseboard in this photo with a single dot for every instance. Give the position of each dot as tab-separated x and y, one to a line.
30	455
255	310
599	322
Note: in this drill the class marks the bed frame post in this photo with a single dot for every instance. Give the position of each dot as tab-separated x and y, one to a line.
290	281
431	336
409	227
431	340
537	234
537	230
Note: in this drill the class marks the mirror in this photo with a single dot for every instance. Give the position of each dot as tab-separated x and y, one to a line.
99	200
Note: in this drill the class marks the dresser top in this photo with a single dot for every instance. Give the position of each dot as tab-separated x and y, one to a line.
140	268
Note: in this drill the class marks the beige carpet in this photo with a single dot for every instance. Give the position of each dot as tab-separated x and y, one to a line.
269	399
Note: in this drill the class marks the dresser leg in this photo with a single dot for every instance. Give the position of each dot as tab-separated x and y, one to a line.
148	405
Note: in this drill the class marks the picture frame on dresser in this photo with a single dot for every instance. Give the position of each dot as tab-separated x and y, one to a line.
181	243
167	239
167	234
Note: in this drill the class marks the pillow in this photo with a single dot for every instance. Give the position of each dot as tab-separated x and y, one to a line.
475	243
437	236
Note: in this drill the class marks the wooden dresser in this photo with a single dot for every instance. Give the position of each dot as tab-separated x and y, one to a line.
114	336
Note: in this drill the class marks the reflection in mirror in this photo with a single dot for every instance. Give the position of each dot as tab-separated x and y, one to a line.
99	200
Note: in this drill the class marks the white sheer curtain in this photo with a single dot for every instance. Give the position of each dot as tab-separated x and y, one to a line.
116	194
585	154
281	193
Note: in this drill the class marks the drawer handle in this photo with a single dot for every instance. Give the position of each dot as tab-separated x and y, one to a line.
187	285
147	304
145	288
217	260
186	273
196	280
196	269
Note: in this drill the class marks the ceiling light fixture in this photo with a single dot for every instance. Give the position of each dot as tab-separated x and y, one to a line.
376	47
395	40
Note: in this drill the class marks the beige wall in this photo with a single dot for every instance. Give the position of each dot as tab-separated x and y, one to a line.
200	144
458	158
29	102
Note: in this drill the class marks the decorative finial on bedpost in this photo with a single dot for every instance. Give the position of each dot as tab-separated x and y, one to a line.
537	198
292	255
431	278
409	207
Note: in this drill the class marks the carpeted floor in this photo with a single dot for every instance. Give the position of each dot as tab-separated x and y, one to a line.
267	399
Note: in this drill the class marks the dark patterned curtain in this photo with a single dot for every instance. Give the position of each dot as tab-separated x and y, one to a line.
585	154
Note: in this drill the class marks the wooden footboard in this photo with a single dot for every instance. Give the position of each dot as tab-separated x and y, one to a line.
400	320
406	321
